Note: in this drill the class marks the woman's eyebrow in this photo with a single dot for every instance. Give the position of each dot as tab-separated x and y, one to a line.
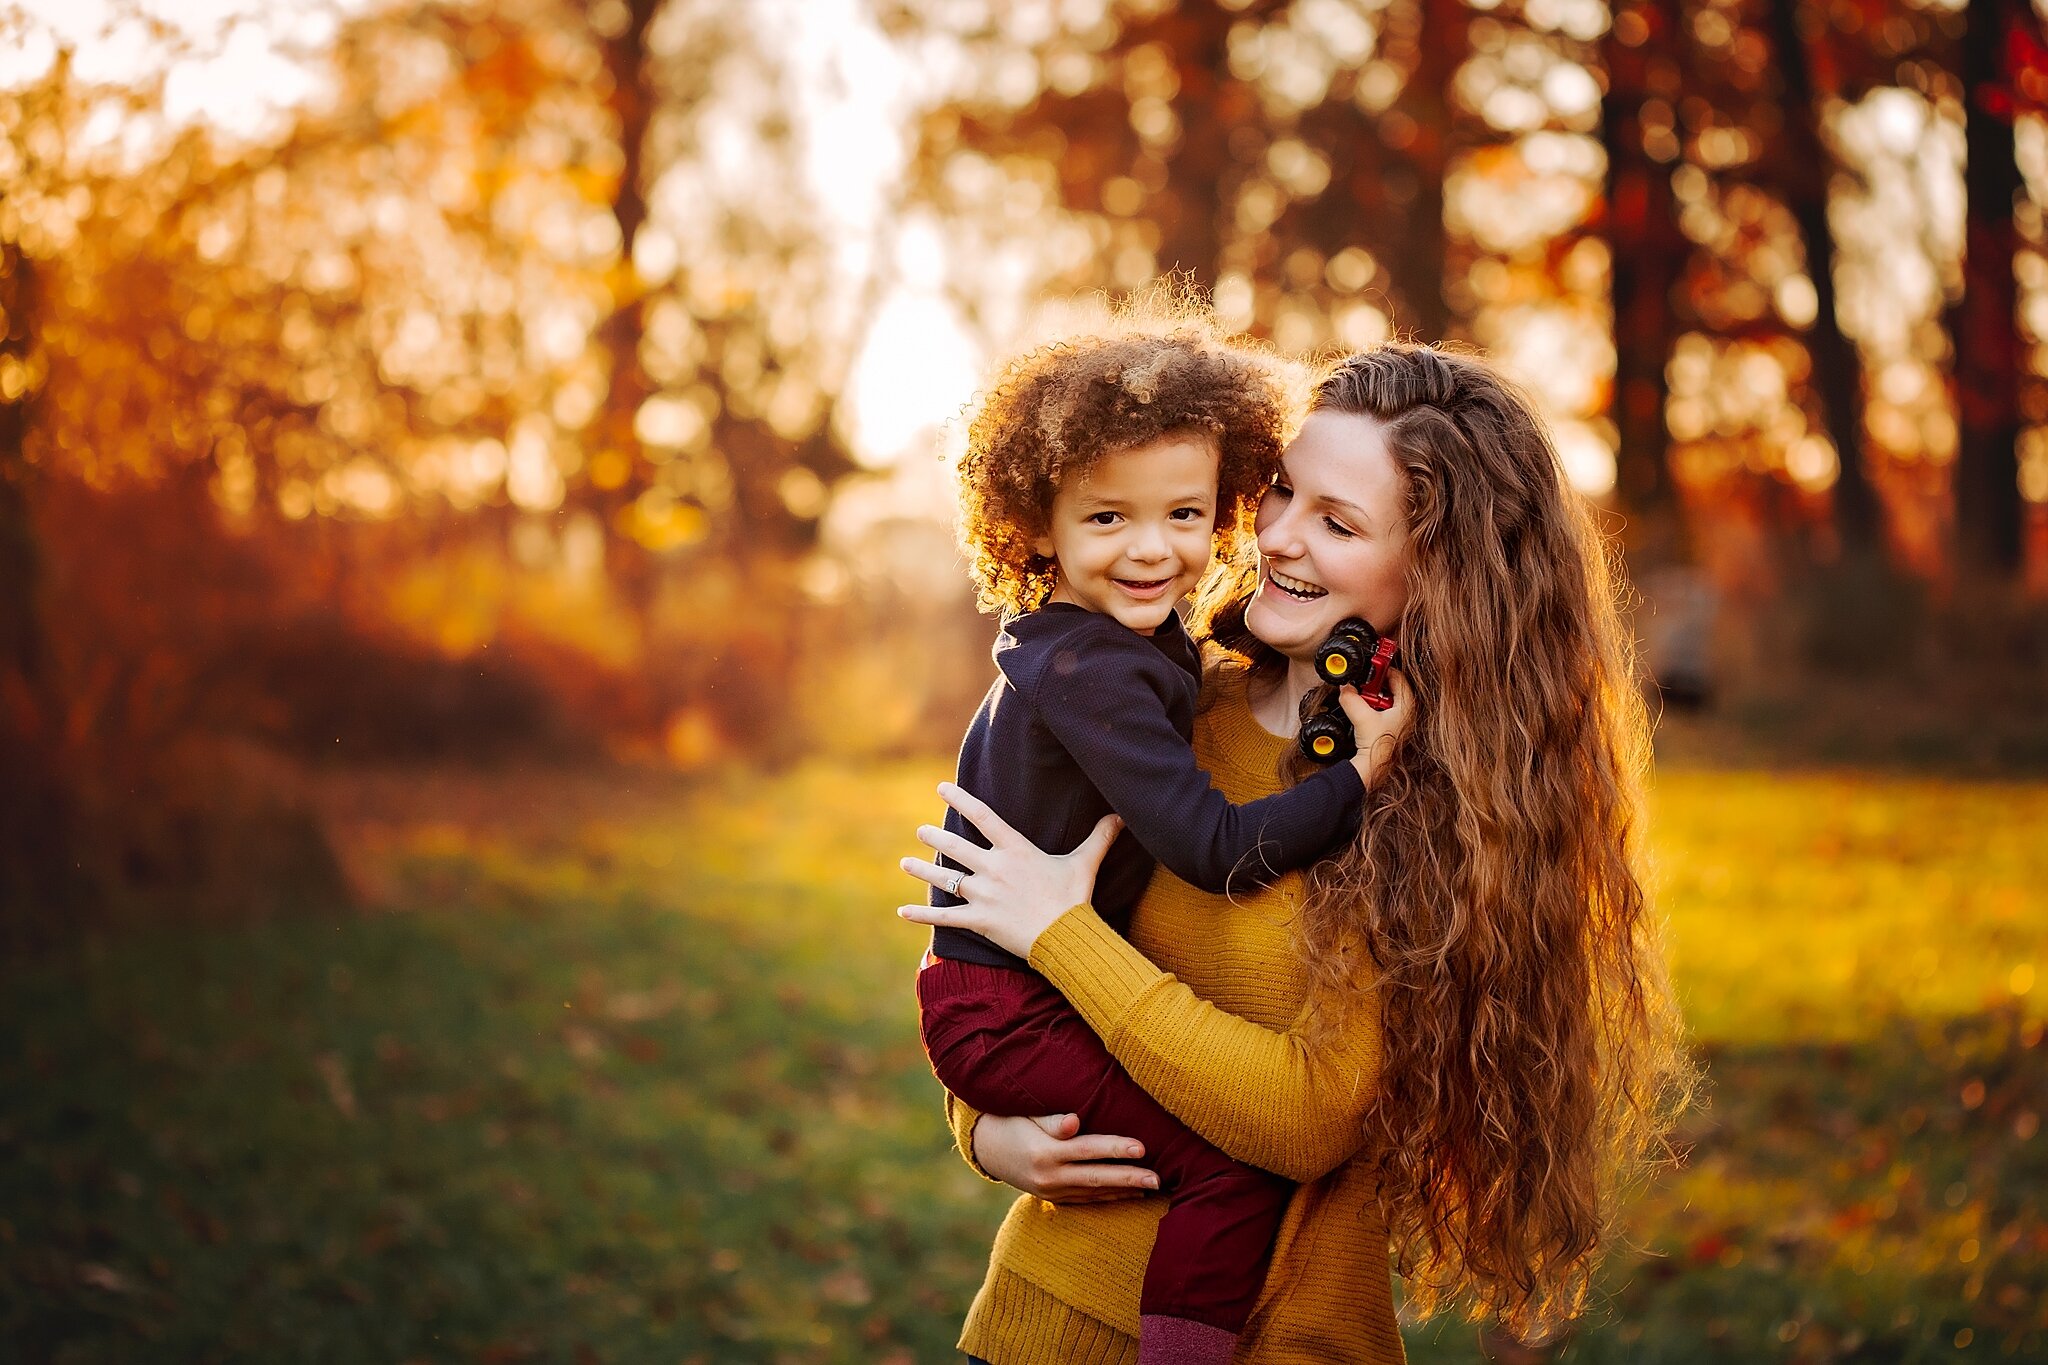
1345	505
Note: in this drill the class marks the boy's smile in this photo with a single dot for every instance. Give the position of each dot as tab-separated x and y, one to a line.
1134	536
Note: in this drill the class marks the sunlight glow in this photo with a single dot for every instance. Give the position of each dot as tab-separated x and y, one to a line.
239	75
917	369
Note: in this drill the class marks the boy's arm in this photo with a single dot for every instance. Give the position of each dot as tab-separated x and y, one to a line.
1112	717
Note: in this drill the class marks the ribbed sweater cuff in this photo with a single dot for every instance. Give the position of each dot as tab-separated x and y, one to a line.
1096	968
961	1118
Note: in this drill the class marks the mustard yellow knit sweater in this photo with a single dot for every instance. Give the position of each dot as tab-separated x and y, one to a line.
1216	1032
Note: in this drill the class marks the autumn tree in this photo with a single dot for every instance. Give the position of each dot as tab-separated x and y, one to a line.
36	867
1336	172
1802	177
496	283
41	870
1287	157
1983	320
491	290
1640	52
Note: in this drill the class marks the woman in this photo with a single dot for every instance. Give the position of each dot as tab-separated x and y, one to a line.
1457	1034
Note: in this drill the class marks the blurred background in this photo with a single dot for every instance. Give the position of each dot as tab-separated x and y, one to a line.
479	621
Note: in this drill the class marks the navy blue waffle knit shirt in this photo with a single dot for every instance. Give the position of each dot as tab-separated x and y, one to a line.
1086	717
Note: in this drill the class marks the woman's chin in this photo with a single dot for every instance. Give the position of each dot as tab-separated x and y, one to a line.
1294	628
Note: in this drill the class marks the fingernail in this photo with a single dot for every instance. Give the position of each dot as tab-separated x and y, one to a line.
1151	1182
1134	1150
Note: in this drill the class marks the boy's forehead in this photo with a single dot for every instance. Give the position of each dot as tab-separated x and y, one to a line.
1182	459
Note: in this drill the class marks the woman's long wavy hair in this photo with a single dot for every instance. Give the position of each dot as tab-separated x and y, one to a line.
1533	1060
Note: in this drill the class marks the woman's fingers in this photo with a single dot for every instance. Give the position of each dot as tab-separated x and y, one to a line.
1093	849
958	847
950	916
1098	1196
931	872
1061	1126
1101	1147
1087	1160
978	813
1397	684
1398	688
1103	1175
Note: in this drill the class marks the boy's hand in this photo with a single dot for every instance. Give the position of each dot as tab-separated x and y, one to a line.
1377	732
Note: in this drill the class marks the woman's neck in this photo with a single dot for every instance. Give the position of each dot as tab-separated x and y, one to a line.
1277	709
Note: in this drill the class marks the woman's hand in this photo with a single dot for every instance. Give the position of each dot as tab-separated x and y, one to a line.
1377	732
1051	1158
1014	890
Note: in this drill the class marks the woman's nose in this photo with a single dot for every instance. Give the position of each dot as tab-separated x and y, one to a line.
1280	538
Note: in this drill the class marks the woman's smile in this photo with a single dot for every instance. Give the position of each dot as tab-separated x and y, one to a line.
1295	588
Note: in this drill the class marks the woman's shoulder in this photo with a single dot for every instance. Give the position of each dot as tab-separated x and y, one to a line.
1246	759
1223	672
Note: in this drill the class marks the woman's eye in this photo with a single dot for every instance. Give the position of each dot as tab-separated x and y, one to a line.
1338	528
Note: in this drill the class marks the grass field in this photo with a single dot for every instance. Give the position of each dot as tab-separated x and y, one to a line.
624	1071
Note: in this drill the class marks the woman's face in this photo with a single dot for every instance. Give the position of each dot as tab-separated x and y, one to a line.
1333	543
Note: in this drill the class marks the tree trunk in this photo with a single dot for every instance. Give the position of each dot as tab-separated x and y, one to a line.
1647	251
1190	211
1442	39
1837	369
632	104
1982	322
39	878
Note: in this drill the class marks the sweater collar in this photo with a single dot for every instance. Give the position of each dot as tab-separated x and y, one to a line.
1241	742
1171	639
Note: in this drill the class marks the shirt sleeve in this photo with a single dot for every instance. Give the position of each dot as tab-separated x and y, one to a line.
1268	1097
961	1118
1112	716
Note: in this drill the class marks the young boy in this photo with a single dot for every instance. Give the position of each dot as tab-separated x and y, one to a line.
1099	476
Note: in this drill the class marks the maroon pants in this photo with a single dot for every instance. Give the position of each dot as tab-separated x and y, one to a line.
1007	1043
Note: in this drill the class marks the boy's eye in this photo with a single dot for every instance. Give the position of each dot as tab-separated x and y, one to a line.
1102	519
1280	488
1187	514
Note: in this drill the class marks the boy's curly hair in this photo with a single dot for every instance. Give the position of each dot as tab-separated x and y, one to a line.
1053	412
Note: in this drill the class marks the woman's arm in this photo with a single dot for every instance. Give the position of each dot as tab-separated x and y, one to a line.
1264	1096
1049	1157
1268	1097
962	1117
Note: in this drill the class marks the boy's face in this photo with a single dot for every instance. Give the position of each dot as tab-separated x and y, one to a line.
1133	537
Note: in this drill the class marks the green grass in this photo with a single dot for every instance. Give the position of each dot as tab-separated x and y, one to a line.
623	1073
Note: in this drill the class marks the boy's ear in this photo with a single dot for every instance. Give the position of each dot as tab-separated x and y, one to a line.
1042	547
